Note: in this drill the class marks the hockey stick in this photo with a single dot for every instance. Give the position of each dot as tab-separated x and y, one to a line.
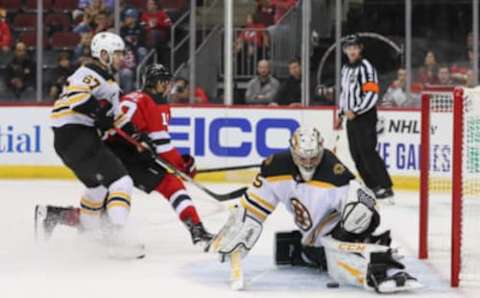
250	166
173	170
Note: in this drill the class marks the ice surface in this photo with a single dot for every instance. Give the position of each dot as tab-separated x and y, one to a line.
67	267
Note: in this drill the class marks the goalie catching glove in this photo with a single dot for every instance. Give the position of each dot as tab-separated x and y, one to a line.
239	234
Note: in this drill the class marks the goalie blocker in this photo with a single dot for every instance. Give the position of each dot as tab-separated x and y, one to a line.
335	214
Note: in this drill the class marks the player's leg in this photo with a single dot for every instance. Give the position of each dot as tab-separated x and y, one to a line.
357	257
174	191
101	172
374	267
376	167
355	137
47	217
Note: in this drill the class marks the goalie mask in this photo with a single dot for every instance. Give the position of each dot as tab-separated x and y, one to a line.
306	148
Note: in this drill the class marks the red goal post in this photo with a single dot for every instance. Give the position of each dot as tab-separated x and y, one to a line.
450	120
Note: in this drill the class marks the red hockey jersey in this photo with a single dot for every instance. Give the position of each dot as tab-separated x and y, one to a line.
152	118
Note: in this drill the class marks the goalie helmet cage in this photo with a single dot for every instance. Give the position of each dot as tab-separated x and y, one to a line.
450	116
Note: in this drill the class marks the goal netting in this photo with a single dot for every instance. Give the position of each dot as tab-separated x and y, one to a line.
450	181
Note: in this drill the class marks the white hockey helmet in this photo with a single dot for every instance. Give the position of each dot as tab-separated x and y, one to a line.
306	148
106	41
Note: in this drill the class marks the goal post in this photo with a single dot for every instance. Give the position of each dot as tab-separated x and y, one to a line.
450	167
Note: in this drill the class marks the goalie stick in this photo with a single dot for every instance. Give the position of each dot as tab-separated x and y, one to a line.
173	170
237	282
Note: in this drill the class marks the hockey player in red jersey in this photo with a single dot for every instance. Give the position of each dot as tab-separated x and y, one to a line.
149	111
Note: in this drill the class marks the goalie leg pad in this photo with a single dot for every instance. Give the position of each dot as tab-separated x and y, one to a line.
386	275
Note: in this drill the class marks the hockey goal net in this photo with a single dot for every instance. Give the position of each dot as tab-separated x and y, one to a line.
450	181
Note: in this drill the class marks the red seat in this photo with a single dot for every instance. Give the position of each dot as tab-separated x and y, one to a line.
25	22
11	5
65	5
29	38
64	40
58	20
31	5
139	4
178	5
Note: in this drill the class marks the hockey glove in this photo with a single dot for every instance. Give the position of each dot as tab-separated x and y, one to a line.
103	121
148	151
189	164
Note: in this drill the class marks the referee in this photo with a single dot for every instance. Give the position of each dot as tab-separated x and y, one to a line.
358	100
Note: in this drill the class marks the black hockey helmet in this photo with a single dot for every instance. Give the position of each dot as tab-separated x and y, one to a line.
154	73
351	40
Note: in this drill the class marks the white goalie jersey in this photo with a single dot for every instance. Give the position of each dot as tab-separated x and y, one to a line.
88	84
315	205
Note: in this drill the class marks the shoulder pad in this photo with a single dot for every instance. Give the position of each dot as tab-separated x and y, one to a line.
133	96
278	164
332	170
100	71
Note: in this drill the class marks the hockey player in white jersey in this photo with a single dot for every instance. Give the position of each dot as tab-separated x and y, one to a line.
334	213
87	107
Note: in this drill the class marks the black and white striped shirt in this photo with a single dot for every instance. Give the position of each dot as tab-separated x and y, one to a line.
359	87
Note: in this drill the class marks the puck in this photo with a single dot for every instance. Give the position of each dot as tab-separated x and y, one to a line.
333	285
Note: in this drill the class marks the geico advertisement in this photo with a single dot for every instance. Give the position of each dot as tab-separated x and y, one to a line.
215	136
399	142
221	137
227	137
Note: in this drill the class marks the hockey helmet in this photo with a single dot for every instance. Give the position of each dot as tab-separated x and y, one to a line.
106	41
306	148
154	73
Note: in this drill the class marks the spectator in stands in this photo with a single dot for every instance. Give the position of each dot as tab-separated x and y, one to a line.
82	50
253	39
265	12
459	71
470	82
85	25
157	24
127	71
443	76
290	92
252	45
62	72
396	95
427	73
102	22
20	71
282	7
95	7
263	87
181	92
5	34
107	4
133	34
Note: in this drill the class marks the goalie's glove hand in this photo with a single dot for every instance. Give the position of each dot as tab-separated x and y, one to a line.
189	165
239	234
102	120
148	151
